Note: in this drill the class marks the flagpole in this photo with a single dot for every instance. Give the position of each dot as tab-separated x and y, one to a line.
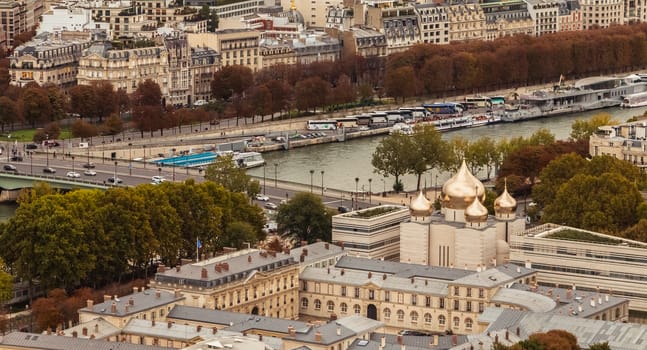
197	249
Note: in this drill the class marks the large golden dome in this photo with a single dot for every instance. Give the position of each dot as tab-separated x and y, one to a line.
505	203
420	206
476	212
459	191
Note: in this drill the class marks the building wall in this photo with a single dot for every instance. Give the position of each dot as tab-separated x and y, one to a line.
601	13
434	24
314	12
467	22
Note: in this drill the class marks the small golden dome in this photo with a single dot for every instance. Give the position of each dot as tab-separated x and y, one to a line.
476	212
460	188
505	203
420	206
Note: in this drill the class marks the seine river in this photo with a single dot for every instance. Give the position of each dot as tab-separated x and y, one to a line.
342	162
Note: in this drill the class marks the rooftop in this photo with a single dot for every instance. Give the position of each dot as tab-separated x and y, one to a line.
317	251
53	342
403	270
134	303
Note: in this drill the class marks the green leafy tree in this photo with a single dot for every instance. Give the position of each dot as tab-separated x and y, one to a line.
305	218
6	284
429	150
583	129
600	346
392	156
231	80
113	125
238	233
555	174
225	172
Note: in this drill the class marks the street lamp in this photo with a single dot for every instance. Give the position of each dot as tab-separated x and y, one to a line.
144	156
31	162
72	163
435	187
173	171
115	178
322	186
356	184
275	172
263	179
159	171
369	190
130	158
46	150
311	173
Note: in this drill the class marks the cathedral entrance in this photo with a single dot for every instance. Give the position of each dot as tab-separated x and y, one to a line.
371	312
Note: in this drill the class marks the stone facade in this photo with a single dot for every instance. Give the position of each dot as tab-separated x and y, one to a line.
17	17
601	13
507	18
625	141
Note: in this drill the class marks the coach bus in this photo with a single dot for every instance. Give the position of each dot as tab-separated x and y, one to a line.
324	124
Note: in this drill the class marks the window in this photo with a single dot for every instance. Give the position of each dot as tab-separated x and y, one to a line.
469	292
428	301
414	316
400	298
468	323
387	296
317	288
428	318
400	315
441	320
457	322
305	286
387	313
344	307
343	291
456	291
371	294
456	305
357	309
330	305
481	307
356	292
481	293
441	303
317	304
414	299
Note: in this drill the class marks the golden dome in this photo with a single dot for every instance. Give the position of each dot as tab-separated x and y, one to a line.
505	203
476	212
420	206
459	190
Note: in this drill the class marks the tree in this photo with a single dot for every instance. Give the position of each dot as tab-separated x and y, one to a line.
224	171
392	156
583	129
211	16
83	100
81	128
238	233
607	203
8	112
600	346
304	217
6	284
231	80
105	95
555	174
113	125
401	83
429	151
36	106
311	93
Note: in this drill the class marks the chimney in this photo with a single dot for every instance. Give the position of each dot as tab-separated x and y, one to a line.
342	272
74	334
569	294
177	268
126	308
89	304
92	336
528	264
225	266
203	274
454	340
84	331
338	331
412	280
96	328
400	339
606	297
161	268
198	328
304	243
49	331
403	347
169	324
158	294
370	275
135	290
384	276
286	251
592	302
518	331
327	246
302	258
507	335
177	293
106	298
599	300
318	337
249	258
153	323
518	269
305	251
214	330
260	337
382	341
435	343
113	307
550	293
292	331
496	338
557	299
131	301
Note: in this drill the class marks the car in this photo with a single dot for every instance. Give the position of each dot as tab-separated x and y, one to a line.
262	197
31	146
114	180
16	159
49	170
73	174
89	165
343	209
158	179
9	167
90	173
270	205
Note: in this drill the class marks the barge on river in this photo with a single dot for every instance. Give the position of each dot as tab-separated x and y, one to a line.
586	94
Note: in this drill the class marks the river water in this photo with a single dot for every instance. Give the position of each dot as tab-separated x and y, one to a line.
342	162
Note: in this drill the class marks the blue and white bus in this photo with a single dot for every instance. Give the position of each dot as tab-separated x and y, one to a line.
324	124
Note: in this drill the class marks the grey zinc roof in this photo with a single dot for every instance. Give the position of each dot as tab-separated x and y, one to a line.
317	251
495	276
359	324
53	342
98	328
172	331
528	300
361	278
330	333
420	342
233	320
402	269
240	265
136	302
620	336
361	344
